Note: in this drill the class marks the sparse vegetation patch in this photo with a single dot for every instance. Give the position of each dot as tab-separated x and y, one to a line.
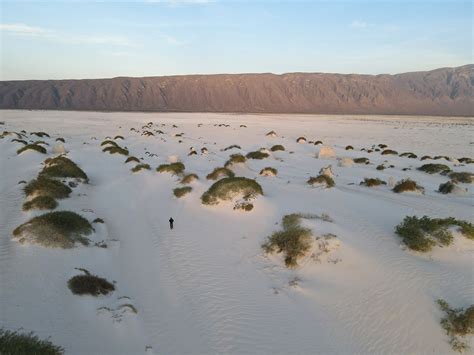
16	343
434	168
463	177
89	284
173	168
407	185
277	147
369	182
257	155
35	147
187	179
361	160
129	159
322	180
220	172
228	188
115	150
139	167
235	159
62	167
268	171
181	191
389	152
40	203
457	323
43	186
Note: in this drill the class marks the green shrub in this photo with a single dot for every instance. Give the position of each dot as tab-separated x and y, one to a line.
464	177
109	142
139	167
421	234
22	141
62	167
129	159
181	191
60	139
447	187
361	160
118	137
269	171
294	241
277	147
380	167
445	157
369	182
40	203
382	146
40	142
228	188
115	150
407	185
187	179
389	152
219	172
34	147
233	146
425	157
173	168
235	159
16	343
257	155
40	134
434	168
244	206
90	285
409	155
43	186
349	147
322	179
60	229
466	160
457	323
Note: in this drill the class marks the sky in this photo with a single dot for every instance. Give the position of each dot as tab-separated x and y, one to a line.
99	39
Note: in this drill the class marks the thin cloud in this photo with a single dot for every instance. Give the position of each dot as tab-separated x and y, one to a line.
359	24
46	34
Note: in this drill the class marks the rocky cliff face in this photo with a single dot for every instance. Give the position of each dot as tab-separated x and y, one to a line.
446	91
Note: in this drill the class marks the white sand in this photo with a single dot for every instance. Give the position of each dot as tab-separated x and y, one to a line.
206	286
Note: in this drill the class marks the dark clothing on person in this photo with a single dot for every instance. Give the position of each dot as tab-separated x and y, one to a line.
171	222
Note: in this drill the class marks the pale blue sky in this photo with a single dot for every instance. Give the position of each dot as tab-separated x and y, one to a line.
92	39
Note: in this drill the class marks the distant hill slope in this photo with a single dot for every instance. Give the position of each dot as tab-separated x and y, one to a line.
446	91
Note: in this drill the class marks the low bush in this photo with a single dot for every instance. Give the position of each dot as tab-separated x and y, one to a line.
425	157
277	147
40	143
118	137
466	160
90	285
129	159
60	139
16	343
257	155
40	203
43	186
421	234
322	180
349	147
409	155
60	229
173	168
34	147
294	240
40	134
220	172
445	157
139	167
109	142
407	185
447	187
361	160
434	168
389	152
457	323
244	206
463	177
115	150
380	167
268	171
233	146
181	191
62	167
382	146
228	188
235	159
22	141
369	182
189	178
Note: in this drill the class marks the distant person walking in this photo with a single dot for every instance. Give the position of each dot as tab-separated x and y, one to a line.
171	222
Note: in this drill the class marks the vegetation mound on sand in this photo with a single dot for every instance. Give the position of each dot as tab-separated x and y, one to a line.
244	206
407	185
409	155
457	323
434	168
115	150
219	172
40	203
277	147
44	186
369	182
187	179
233	146
173	168
349	147
16	343
466	160
139	167
35	147
62	167
389	152
463	177
109	142
60	139
40	134
181	191
421	234
257	155
235	159
268	171
322	180
129	159
380	167
294	240
90	285
60	229
361	160
22	141
447	187
118	137
228	188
